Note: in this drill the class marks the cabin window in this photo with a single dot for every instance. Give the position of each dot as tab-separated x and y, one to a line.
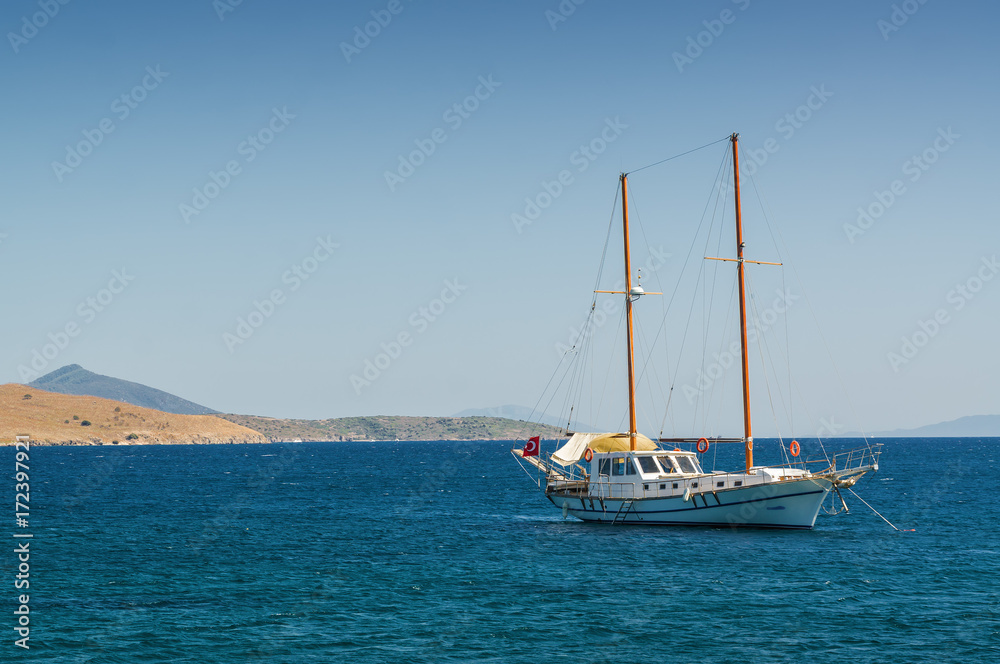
645	487
738	483
605	467
720	484
686	465
663	487
665	463
629	467
618	466
648	465
675	485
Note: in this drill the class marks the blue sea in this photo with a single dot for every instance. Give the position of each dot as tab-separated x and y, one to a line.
447	552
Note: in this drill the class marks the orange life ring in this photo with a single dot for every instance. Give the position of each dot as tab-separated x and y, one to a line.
794	448
702	445
588	455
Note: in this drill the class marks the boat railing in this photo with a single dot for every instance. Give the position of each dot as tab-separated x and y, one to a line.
607	489
857	459
860	458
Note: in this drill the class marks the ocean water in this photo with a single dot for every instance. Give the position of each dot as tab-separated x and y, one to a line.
447	552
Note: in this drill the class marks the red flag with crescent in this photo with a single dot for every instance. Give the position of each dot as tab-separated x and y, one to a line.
531	447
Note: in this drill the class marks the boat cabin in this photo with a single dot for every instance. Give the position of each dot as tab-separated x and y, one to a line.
641	473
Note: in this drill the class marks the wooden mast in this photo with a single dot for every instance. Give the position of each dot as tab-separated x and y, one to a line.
628	314
747	431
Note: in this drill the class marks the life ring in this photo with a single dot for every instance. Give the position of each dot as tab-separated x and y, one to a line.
794	448
702	445
588	455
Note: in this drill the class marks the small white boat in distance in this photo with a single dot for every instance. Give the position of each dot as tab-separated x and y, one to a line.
630	478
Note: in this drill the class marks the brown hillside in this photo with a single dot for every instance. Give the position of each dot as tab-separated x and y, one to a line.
57	419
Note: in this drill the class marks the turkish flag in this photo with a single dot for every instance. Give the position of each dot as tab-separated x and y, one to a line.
531	447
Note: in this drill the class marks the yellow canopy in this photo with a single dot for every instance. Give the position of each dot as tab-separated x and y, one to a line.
574	448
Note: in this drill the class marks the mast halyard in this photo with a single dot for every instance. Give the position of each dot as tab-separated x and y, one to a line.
747	430
628	315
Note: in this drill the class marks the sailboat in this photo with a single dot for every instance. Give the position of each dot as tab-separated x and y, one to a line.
629	478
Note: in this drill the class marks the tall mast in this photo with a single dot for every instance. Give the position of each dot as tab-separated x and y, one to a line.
628	314
747	431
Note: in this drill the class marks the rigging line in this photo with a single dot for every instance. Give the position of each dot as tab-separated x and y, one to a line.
578	367
687	259
730	310
767	385
764	350
607	241
656	278
579	351
764	212
809	418
788	360
664	396
687	328
647	352
873	509
805	295
611	363
587	379
666	411
770	229
662	161
572	372
762	341
556	390
542	396
722	196
697	232
715	275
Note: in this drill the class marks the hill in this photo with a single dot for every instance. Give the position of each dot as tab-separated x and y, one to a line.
74	379
512	412
971	426
393	428
63	419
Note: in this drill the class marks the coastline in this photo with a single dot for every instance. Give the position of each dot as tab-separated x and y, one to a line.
237	441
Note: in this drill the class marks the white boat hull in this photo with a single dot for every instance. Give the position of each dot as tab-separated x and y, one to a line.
785	504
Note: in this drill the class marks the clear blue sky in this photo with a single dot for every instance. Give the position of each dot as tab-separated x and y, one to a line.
330	122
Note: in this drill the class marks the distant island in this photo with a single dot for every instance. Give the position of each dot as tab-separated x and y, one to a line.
971	426
393	427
